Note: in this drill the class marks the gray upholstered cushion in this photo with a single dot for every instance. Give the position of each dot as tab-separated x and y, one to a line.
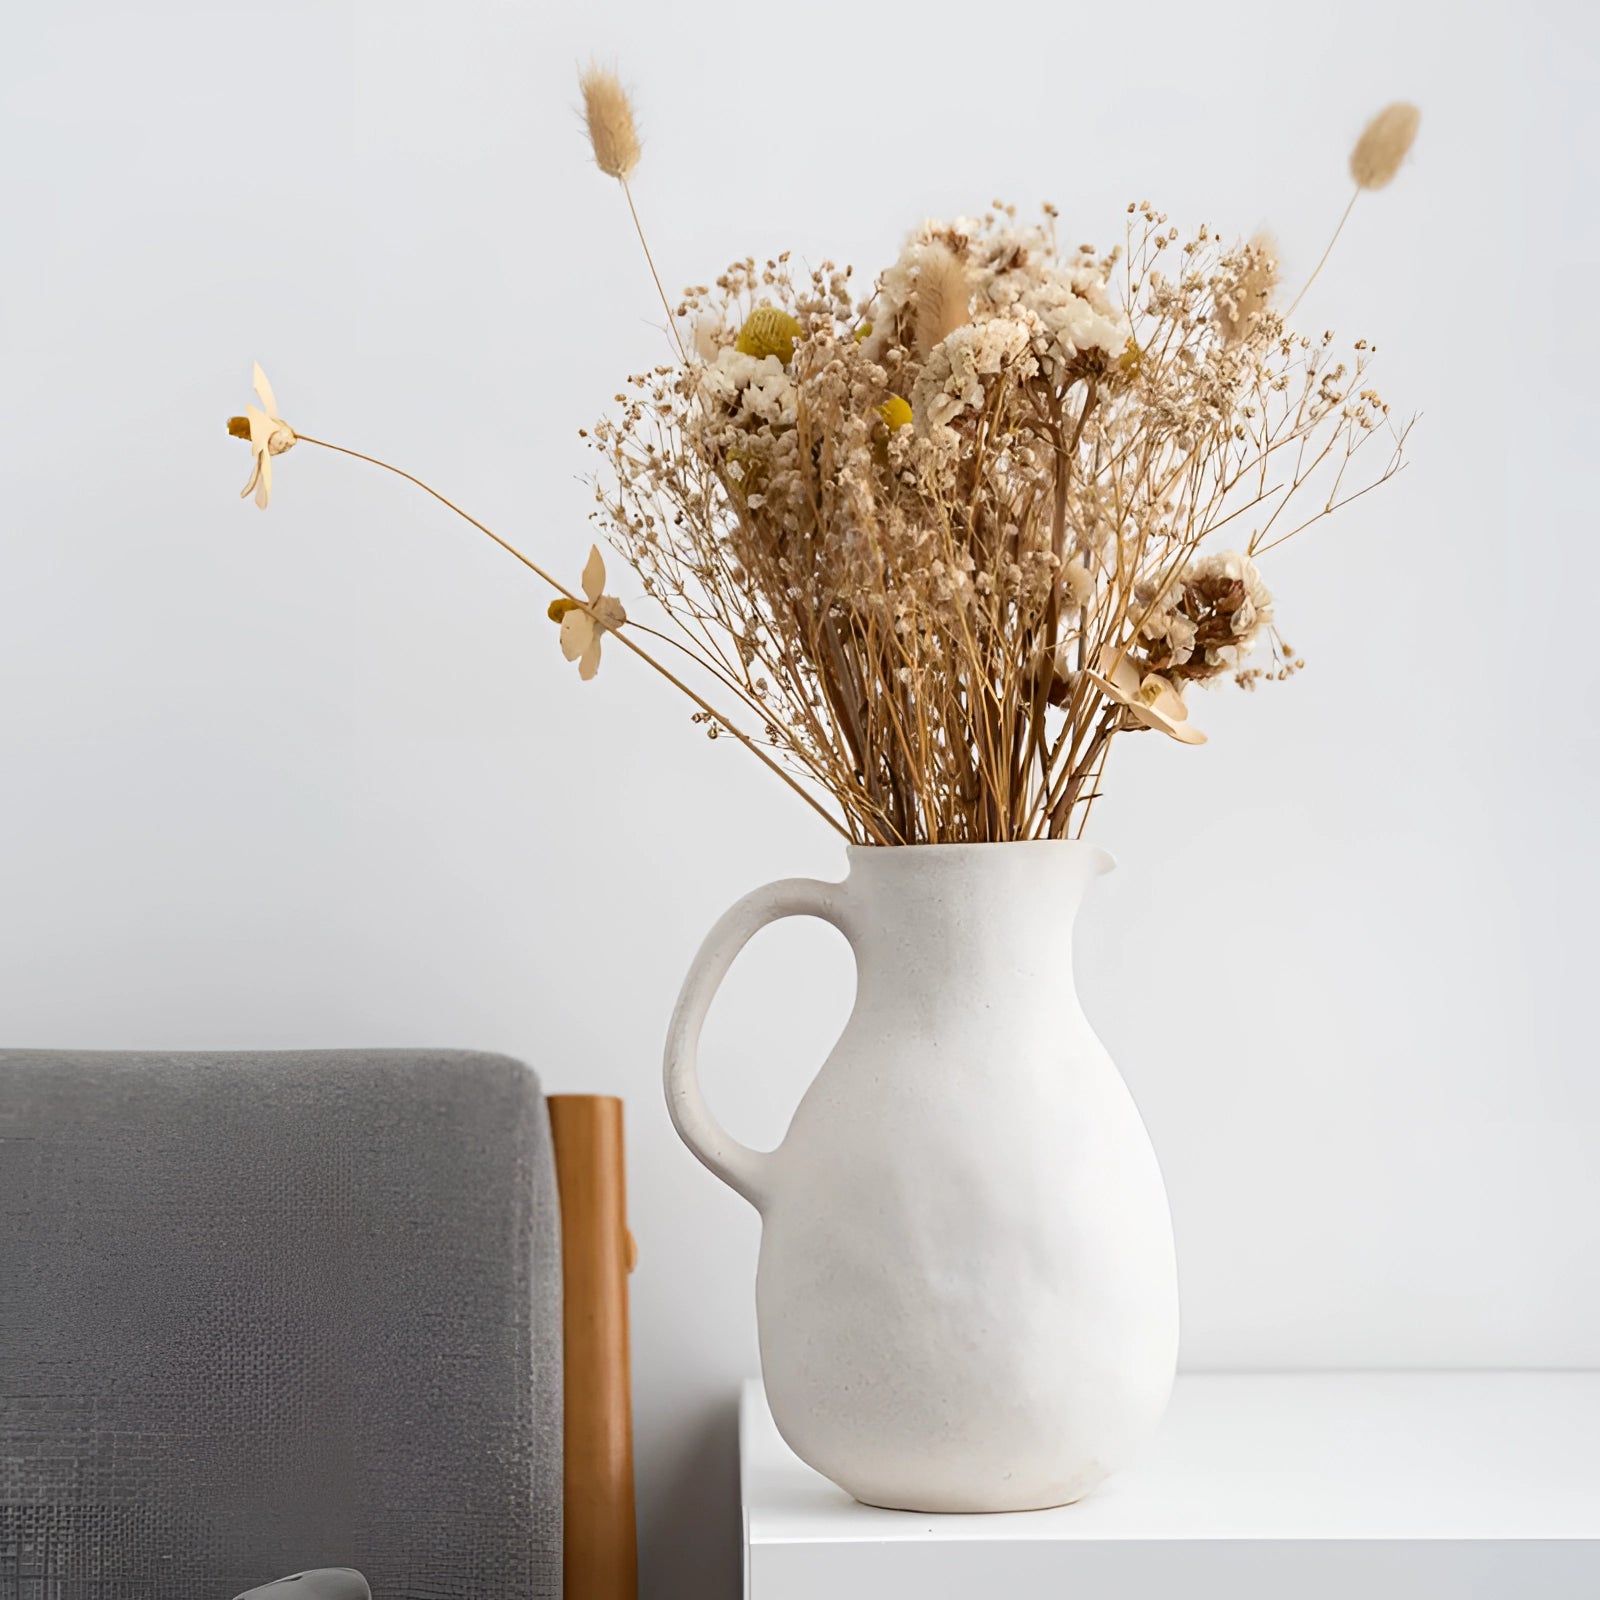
266	1312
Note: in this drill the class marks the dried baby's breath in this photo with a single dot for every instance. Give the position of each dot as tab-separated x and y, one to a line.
947	542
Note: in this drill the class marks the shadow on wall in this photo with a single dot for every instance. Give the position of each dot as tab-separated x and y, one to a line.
689	1540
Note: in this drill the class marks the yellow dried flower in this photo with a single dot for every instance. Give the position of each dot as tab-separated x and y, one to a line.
238	427
1383	145
608	113
558	608
767	331
1132	355
896	411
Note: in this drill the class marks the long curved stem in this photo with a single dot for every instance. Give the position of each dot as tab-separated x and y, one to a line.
622	638
466	516
650	261
1325	254
728	682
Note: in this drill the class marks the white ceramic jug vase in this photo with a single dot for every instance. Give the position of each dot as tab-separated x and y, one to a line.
967	1297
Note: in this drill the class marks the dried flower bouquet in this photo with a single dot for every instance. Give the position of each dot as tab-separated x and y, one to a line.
926	552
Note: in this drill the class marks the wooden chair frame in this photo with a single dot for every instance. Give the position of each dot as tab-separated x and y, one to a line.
600	1560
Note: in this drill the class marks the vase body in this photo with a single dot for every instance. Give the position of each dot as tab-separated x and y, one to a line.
967	1294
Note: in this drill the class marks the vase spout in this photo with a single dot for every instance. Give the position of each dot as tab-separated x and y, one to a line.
1102	861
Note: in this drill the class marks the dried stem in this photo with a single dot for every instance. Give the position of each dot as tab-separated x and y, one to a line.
644	655
650	261
1322	261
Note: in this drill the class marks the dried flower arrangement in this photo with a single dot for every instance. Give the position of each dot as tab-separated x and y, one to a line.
928	552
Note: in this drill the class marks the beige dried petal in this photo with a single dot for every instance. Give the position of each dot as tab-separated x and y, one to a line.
594	574
589	662
1383	145
578	633
264	393
1078	582
1121	675
260	483
1157	695
1183	732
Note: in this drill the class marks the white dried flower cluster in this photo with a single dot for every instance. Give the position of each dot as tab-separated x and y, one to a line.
954	378
1062	309
748	389
1067	305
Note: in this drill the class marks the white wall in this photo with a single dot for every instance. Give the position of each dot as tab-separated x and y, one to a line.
319	776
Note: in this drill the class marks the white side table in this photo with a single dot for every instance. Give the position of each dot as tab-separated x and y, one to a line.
1316	1486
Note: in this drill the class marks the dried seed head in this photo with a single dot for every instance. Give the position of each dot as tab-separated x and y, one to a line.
896	412
1249	295
609	115
769	331
944	297
1383	145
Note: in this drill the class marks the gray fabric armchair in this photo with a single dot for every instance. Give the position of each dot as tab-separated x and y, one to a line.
266	1312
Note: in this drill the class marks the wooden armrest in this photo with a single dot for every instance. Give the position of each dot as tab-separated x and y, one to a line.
601	1559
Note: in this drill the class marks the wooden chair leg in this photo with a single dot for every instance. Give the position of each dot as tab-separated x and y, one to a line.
601	1559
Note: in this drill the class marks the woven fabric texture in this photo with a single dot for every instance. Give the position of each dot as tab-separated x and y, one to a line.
264	1312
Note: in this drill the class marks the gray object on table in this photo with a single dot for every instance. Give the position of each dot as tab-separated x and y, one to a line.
260	1311
326	1583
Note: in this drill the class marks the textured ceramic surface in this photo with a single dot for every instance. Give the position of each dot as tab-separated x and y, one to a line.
967	1296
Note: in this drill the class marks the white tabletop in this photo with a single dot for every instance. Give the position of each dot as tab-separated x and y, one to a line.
1417	1468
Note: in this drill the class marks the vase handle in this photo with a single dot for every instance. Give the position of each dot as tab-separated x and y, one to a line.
740	1167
